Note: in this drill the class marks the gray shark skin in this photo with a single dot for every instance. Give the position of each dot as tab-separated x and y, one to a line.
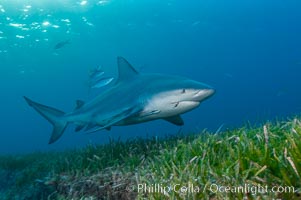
134	98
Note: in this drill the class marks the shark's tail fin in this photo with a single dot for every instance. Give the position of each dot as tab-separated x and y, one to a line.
54	116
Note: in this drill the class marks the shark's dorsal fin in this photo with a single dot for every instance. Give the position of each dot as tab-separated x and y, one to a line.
125	70
79	104
177	120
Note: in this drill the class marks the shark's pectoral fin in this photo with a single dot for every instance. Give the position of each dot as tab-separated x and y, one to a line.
117	118
177	120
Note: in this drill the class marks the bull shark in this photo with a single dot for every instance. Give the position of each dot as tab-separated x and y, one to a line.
134	98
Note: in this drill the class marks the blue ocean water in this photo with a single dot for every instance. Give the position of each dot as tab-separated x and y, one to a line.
249	51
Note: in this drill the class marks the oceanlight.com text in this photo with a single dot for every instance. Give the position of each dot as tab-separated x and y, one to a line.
213	188
251	189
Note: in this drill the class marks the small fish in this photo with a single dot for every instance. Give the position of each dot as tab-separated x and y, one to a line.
102	82
281	93
97	72
61	44
228	75
196	23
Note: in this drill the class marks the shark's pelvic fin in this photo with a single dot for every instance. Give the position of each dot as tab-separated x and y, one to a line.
125	70
177	120
54	116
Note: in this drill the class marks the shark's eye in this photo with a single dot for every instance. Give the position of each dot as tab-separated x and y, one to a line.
183	91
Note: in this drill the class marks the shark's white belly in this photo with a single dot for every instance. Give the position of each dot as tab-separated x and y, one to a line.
160	107
166	107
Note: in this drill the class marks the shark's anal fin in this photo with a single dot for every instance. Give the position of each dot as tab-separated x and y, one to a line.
79	104
125	70
177	120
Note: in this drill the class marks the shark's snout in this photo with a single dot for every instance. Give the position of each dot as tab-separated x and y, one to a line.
204	94
210	92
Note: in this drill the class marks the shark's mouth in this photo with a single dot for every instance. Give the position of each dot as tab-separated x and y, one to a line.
176	104
186	104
